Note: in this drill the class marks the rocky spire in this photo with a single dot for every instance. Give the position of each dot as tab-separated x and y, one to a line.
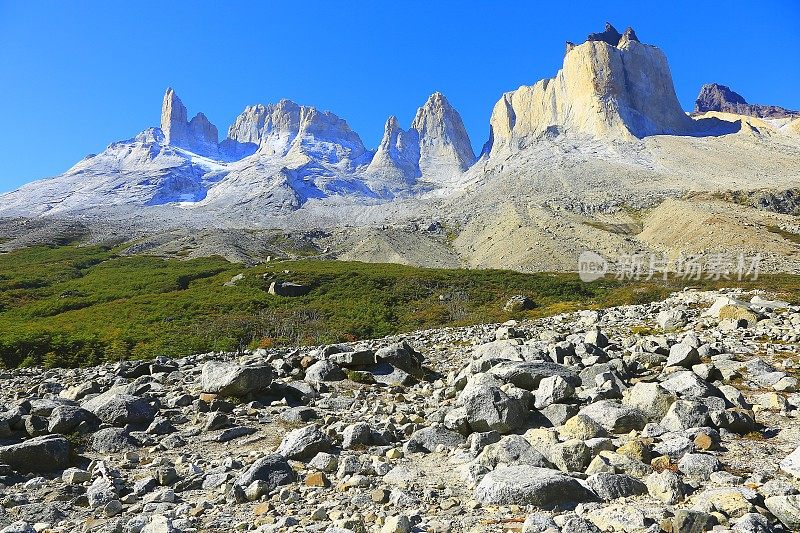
610	35
396	161
198	135
174	123
444	145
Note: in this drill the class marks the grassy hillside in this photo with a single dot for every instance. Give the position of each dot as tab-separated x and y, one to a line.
73	306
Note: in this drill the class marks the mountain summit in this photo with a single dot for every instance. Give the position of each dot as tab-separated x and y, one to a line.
436	149
611	86
716	97
198	135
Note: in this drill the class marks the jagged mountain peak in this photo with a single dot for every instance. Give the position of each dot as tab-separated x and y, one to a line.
717	97
612	86
286	126
444	145
197	135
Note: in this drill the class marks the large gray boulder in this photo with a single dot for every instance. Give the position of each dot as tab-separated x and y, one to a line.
527	374
324	371
39	454
685	414
304	443
786	509
791	463
272	469
612	486
65	419
683	355
688	385
511	450
230	379
117	408
489	408
110	440
428	439
615	417
530	485
650	398
403	356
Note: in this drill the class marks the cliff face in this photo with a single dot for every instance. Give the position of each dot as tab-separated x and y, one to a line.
611	86
715	97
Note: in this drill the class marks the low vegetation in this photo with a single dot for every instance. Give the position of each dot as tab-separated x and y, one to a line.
80	305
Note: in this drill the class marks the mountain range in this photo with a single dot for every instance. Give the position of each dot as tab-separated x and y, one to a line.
600	156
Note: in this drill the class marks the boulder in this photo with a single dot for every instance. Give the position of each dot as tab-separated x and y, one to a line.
517	303
430	438
354	359
688	385
304	443
324	371
274	470
685	414
650	398
553	389
786	509
530	485
39	454
288	288
612	486
356	435
230	379
511	450
65	419
665	486
403	356
111	440
698	465
791	463
118	408
595	337
615	417
527	374
581	427
671	319
682	355
489	408
392	376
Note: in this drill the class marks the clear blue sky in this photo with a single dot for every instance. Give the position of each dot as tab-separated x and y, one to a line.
75	76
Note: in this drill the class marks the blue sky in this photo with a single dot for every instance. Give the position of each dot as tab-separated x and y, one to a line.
76	76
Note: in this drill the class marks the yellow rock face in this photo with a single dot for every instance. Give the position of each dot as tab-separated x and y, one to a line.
623	91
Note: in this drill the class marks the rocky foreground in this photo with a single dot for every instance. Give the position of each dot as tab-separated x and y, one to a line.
676	416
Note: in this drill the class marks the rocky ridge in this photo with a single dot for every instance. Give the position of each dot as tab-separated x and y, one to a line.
679	415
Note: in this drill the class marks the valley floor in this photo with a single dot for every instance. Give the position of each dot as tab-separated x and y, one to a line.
675	415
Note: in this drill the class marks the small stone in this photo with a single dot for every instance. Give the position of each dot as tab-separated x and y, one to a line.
74	476
397	524
317	479
394	453
379	495
703	442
